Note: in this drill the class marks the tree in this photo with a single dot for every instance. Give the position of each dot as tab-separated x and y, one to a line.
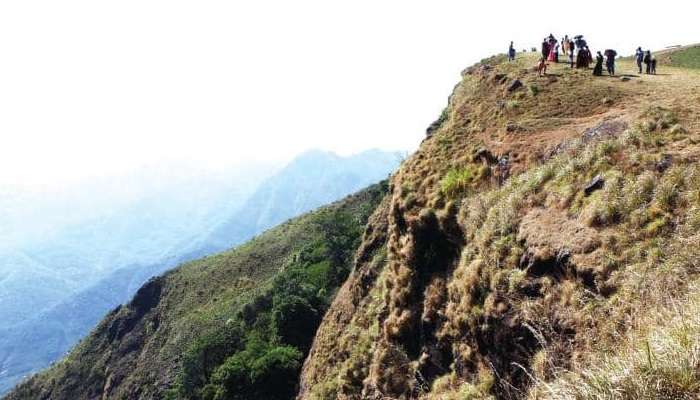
295	321
340	233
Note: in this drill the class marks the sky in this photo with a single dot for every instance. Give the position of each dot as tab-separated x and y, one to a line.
97	87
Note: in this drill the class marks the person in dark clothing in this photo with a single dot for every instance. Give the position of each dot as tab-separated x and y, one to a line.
580	58
653	66
639	57
647	61
584	58
610	61
545	48
571	57
511	52
598	69
589	57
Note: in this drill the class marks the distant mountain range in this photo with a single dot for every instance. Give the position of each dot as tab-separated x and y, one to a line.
313	179
76	274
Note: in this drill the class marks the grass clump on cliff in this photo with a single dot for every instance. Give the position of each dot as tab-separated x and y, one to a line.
458	181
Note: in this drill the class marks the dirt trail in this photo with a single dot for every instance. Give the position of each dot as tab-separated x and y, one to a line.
673	88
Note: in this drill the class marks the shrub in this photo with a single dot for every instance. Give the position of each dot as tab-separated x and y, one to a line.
534	90
458	180
261	371
257	353
202	358
658	119
295	320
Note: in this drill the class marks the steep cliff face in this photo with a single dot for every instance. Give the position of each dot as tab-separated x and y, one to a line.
541	228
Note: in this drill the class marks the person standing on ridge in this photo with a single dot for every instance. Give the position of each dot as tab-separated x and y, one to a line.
584	58
565	45
553	49
598	69
610	61
579	58
639	57
647	61
571	56
511	52
545	48
653	65
588	58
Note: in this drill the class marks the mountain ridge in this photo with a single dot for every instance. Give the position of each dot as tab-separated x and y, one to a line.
541	243
56	328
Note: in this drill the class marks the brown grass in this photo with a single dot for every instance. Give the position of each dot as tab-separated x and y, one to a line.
536	280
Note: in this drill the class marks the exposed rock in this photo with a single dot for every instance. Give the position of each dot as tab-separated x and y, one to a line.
625	78
148	296
595	184
512	127
604	130
547	232
485	155
126	318
664	163
553	243
515	85
436	125
546	263
500	78
479	69
433	127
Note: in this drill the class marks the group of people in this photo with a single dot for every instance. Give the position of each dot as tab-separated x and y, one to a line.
575	49
550	49
580	56
609	59
645	57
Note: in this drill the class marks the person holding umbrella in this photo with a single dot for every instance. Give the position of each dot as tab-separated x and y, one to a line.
610	55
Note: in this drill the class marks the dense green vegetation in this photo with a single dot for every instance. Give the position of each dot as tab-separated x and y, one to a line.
259	352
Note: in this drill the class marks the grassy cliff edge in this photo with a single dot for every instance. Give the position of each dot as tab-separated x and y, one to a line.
542	243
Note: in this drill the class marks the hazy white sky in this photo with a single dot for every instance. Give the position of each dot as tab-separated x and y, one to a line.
92	87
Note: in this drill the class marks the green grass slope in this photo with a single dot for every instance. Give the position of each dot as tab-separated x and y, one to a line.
683	57
236	325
